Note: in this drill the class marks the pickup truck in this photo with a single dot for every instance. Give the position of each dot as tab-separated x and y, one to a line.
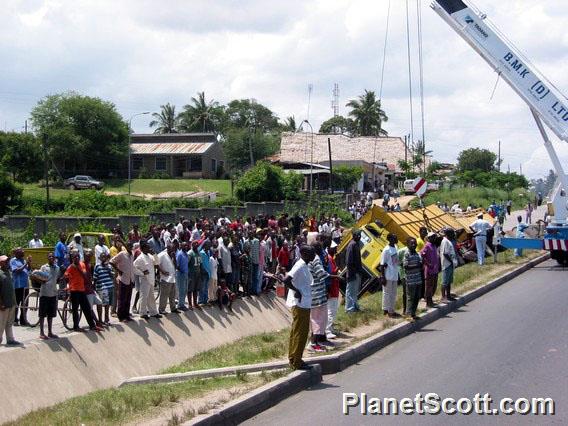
82	182
89	240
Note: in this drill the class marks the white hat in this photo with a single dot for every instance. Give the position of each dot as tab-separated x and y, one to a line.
77	235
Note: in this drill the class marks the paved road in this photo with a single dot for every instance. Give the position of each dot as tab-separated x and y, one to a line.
512	342
511	221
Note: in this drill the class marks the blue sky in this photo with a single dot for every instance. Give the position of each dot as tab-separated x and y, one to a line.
140	54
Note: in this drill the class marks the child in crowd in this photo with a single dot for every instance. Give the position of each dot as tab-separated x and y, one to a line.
103	279
225	296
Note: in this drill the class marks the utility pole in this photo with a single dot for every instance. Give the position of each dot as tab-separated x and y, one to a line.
46	172
330	165
521	169
499	158
26	127
405	149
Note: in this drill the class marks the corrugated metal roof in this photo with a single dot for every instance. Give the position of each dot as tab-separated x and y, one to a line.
170	148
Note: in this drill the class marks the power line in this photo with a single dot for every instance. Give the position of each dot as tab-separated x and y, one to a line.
409	75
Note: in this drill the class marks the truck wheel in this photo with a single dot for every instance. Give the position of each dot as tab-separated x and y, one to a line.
72	187
94	187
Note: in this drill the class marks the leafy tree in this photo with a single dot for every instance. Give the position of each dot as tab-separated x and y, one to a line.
344	177
201	115
84	133
433	167
166	120
265	182
247	113
22	156
237	143
476	159
10	195
368	115
338	124
289	124
493	179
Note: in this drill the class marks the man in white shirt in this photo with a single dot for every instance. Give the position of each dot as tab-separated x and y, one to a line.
167	268
449	262
480	228
225	260
144	268
76	244
389	269
35	242
100	248
299	282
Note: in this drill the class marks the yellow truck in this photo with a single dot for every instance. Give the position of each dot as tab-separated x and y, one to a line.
89	240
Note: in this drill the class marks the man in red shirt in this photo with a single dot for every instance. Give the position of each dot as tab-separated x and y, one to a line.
76	276
332	292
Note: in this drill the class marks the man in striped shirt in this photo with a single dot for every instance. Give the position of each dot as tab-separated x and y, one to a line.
318	313
103	279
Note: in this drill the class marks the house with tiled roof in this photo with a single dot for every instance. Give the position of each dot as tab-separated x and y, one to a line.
378	156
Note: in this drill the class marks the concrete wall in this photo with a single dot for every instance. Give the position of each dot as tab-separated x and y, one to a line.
42	374
66	223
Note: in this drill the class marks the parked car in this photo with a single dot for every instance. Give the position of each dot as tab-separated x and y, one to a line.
408	186
82	182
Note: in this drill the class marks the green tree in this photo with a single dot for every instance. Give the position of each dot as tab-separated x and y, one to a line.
247	113
476	159
344	177
289	124
84	133
237	143
166	120
22	156
201	115
10	195
368	115
265	182
338	125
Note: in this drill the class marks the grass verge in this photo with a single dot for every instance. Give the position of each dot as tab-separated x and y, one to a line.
271	346
129	403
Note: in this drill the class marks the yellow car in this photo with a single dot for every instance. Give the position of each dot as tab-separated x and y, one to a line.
89	240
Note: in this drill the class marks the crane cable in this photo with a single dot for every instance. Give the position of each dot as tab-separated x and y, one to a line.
421	70
384	52
409	77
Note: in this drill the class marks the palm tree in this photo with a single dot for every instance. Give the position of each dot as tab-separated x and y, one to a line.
420	154
368	115
200	115
289	124
166	119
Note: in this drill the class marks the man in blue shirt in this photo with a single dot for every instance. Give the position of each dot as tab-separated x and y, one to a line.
62	252
182	275
20	269
205	270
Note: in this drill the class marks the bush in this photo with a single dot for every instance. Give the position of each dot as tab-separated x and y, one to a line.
10	195
265	182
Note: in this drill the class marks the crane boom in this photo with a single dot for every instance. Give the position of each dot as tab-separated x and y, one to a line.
547	104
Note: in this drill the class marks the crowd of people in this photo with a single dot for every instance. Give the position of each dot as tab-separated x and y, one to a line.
194	262
215	261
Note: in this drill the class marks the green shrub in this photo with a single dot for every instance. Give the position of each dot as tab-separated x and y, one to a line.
10	195
265	182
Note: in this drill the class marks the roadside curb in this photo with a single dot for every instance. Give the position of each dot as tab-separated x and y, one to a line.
272	393
260	399
339	361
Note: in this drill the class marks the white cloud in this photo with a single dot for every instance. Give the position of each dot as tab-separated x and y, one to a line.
143	53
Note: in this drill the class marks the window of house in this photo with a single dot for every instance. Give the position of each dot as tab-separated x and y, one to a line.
194	164
161	164
137	163
213	165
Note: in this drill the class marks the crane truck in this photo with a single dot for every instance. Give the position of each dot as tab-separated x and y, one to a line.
548	107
